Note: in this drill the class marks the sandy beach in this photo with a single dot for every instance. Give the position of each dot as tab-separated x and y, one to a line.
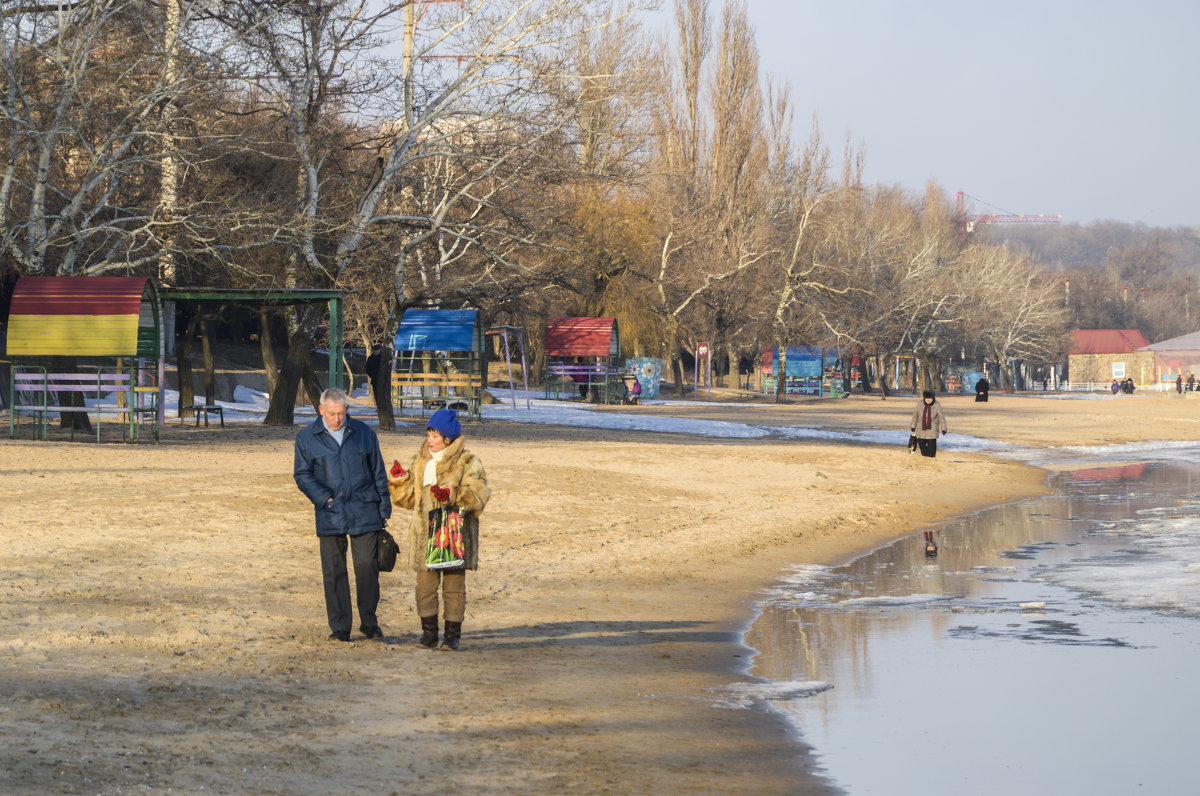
164	627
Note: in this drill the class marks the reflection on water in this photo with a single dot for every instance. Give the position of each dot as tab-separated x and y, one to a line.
1002	666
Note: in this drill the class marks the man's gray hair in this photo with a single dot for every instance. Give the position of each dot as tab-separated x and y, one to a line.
334	396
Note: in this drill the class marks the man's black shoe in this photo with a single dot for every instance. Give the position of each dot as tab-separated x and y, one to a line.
340	636
372	632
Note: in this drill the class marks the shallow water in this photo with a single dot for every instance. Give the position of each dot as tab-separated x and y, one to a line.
942	683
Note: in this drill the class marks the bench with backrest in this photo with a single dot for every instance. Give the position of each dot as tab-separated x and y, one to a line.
437	390
40	394
603	381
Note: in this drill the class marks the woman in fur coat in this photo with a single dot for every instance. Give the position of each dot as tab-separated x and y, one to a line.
442	472
927	422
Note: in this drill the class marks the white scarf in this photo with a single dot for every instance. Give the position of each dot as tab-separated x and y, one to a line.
430	476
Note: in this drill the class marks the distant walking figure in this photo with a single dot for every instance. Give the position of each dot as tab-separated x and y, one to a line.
927	422
981	390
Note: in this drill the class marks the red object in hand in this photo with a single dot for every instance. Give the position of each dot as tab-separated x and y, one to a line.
397	470
438	492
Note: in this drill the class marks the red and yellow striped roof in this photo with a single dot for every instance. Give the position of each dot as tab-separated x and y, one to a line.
75	315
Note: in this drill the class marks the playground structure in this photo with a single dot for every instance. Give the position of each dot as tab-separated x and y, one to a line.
438	361
811	370
286	297
582	356
502	334
105	317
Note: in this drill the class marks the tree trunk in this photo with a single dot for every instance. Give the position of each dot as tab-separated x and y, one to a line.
864	374
882	376
1001	371
781	370
210	377
183	360
383	390
383	376
283	398
268	350
676	362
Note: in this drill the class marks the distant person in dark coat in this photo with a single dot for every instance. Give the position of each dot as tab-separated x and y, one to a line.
981	390
379	382
1179	384
927	422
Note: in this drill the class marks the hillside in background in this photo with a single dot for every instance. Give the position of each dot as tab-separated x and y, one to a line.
1113	246
1119	276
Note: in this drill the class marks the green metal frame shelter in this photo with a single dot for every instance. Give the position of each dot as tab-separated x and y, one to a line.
293	296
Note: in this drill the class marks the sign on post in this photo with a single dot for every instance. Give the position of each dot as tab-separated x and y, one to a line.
703	350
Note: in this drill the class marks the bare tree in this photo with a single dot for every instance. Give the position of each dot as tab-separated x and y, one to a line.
82	119
710	163
1012	310
475	92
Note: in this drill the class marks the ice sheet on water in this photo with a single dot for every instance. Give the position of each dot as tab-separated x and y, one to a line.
1156	570
744	695
1152	450
809	586
891	600
1038	631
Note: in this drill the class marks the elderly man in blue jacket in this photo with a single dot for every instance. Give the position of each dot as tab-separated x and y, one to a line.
339	467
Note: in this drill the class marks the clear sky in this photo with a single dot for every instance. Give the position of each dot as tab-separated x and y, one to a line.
1088	109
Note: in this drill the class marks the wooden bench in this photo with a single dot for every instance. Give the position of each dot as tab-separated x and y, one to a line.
602	381
438	390
39	394
199	409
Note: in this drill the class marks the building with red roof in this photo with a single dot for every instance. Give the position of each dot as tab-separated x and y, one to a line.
1101	355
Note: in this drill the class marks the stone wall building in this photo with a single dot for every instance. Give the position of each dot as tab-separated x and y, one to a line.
1101	355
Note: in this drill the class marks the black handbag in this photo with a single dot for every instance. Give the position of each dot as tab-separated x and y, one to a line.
386	550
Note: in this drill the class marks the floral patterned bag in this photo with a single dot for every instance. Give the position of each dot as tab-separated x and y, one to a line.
445	549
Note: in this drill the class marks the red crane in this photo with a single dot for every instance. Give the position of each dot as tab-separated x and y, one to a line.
967	223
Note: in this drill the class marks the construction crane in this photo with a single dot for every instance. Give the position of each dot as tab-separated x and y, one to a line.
967	224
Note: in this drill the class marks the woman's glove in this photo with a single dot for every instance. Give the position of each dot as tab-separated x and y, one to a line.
397	470
442	495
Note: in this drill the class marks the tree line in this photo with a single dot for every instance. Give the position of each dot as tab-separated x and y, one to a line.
1118	275
526	157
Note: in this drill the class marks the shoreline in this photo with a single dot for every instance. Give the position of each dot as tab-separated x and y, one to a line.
618	575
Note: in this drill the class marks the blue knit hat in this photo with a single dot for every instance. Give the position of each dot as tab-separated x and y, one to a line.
445	422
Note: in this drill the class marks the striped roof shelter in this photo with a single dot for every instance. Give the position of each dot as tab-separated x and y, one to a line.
582	337
84	316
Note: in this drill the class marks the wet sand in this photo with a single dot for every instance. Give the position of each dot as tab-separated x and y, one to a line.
164	625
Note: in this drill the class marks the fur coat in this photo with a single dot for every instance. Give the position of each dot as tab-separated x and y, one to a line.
462	473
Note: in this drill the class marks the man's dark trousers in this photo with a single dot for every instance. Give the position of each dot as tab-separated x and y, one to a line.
337	580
